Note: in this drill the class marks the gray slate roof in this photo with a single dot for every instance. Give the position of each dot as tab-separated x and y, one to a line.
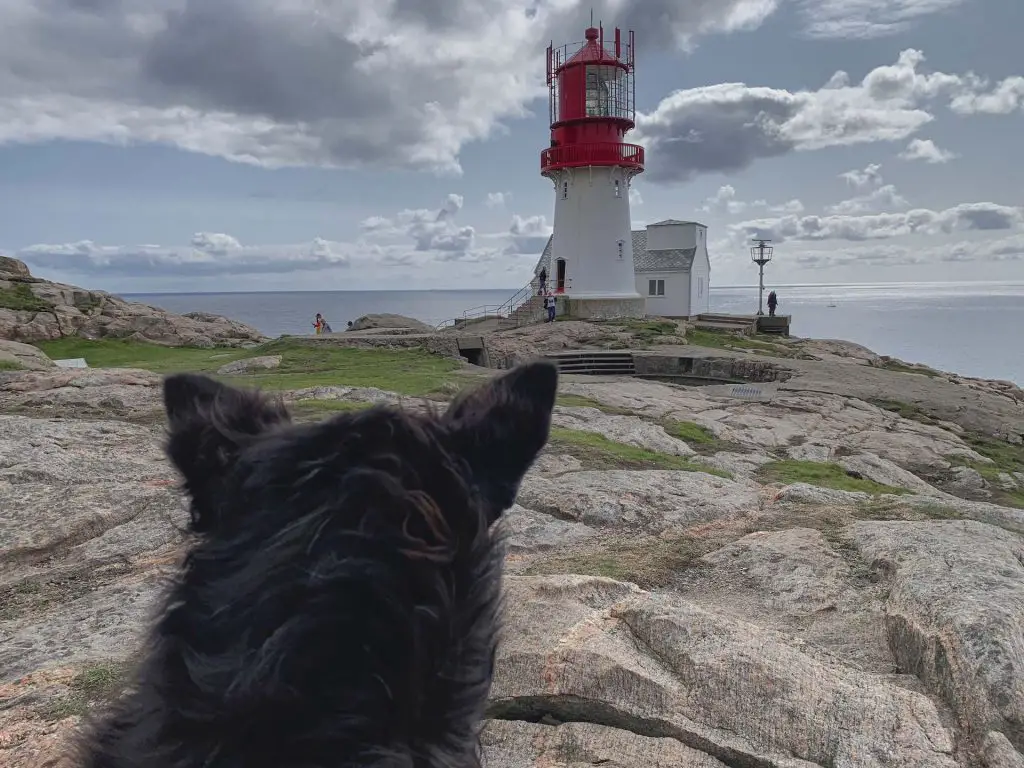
675	221
663	260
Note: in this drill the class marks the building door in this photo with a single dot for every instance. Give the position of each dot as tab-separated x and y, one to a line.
560	276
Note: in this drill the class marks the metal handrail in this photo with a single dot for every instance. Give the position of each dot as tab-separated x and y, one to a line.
510	309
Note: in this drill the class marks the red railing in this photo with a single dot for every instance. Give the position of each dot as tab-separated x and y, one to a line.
599	153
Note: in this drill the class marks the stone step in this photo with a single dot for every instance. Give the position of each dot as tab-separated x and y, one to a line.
594	362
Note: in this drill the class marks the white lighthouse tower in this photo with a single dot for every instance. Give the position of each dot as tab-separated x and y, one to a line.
592	108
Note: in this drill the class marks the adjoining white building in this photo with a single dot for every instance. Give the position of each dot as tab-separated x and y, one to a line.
670	264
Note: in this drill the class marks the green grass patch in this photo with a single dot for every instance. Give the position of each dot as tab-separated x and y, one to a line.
905	410
822	474
897	366
704	337
125	353
19	297
1006	458
579	401
649	562
10	365
94	685
303	363
701	439
891	509
598	452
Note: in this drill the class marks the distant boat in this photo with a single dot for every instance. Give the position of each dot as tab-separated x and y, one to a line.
831	305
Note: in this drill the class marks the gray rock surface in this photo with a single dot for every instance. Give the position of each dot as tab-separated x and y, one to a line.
955	616
389	321
251	364
788	626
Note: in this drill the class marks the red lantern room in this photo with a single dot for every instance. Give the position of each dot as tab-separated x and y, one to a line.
591	104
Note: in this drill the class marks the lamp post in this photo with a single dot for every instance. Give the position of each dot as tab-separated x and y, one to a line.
761	254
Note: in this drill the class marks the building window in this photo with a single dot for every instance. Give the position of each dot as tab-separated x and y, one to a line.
700	286
655	287
618	191
622	249
565	190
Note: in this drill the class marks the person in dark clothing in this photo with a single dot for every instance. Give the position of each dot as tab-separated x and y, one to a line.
773	302
543	278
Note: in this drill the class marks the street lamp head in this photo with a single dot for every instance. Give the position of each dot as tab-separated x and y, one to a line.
761	252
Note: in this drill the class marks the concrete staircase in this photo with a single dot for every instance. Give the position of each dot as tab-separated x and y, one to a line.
529	312
594	362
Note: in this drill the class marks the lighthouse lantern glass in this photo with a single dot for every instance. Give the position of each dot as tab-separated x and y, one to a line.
607	92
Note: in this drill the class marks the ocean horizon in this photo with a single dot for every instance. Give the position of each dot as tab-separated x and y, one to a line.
972	329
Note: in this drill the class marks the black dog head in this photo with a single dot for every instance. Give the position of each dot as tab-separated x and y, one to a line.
495	431
341	603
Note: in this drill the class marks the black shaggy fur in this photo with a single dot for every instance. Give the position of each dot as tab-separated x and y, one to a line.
340	603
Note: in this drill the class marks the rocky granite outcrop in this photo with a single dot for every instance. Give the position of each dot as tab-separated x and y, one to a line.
389	322
32	309
18	356
655	616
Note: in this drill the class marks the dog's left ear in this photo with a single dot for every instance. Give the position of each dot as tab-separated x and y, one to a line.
500	428
209	424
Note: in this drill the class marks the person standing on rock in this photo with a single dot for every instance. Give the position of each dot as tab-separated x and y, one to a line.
543	277
773	302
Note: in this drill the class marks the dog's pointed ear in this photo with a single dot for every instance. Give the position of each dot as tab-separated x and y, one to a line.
209	423
500	428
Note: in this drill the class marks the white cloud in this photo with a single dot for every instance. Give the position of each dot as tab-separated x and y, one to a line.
880	226
865	19
926	150
430	229
883	197
497	199
876	195
725	200
728	126
891	255
1003	98
210	254
635	198
529	235
868	177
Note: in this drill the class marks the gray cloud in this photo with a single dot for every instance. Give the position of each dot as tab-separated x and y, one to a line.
341	83
308	82
866	19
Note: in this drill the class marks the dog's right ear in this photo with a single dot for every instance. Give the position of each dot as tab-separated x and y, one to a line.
500	427
209	423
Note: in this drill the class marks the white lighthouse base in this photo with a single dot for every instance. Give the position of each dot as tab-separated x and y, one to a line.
603	309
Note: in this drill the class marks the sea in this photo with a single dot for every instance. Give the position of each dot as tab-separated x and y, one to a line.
974	329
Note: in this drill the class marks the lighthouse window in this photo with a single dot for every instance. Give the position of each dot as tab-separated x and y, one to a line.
598	92
622	254
655	287
565	190
618	192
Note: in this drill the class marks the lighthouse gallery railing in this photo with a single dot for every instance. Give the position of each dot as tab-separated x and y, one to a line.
598	153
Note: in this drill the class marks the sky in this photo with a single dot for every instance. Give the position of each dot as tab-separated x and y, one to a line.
212	145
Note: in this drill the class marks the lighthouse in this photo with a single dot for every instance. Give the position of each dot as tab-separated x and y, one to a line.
591	109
